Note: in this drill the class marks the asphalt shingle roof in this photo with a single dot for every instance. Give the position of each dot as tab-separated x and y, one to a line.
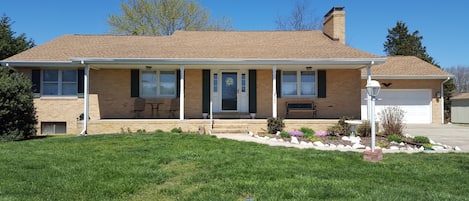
194	44
407	66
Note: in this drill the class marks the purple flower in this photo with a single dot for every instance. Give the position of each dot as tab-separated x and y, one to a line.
296	133
321	133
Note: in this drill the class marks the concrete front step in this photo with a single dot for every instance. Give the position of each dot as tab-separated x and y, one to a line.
224	126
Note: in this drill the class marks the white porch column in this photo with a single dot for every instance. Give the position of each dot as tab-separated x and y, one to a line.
368	97
274	92
86	105
181	95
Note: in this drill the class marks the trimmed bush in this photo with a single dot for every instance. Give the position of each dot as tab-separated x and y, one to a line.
421	139
341	128
364	129
17	113
176	130
307	132
394	138
274	125
285	134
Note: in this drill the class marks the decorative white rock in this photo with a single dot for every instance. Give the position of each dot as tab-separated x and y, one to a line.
432	142
266	137
456	148
345	138
318	143
358	146
421	148
294	140
310	143
401	144
332	146
273	139
340	146
438	148
348	147
394	148
303	143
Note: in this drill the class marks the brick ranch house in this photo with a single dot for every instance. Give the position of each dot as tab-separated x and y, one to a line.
95	83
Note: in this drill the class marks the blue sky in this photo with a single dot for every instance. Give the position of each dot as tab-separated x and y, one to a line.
443	24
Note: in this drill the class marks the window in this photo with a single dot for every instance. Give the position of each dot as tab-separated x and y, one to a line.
215	82
298	83
59	82
158	83
53	127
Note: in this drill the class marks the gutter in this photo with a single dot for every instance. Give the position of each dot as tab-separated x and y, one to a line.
241	61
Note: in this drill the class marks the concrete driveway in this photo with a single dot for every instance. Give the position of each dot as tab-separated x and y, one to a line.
448	134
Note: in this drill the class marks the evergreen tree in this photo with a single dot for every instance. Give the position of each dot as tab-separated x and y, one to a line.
9	43
17	112
400	42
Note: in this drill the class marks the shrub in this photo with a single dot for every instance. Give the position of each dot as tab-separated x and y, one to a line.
364	129
394	138
176	130
307	132
285	134
421	139
17	113
275	124
341	128
392	120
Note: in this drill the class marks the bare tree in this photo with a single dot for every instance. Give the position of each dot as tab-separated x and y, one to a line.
461	78
301	18
163	17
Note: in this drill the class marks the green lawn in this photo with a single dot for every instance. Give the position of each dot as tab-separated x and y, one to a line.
194	167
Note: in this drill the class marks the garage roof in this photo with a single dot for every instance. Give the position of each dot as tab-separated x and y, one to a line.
406	67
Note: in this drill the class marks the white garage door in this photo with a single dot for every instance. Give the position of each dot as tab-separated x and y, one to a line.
416	104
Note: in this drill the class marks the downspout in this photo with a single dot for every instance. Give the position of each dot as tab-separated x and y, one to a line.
86	105
442	100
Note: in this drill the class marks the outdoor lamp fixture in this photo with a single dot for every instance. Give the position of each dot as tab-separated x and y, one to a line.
372	89
148	67
438	94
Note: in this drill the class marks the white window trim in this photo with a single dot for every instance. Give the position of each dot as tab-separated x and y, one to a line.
158	84
59	83
298	85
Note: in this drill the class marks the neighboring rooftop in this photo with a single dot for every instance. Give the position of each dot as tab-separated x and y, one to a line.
194	44
406	66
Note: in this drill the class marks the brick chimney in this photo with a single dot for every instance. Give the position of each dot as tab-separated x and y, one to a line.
334	24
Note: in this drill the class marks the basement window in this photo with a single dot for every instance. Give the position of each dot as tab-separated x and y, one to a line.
53	128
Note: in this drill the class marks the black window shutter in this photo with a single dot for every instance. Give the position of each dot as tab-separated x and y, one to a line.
279	84
321	83
205	91
252	91
81	83
36	80
134	83
178	83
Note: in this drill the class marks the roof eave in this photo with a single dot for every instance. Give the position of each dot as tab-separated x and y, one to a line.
409	77
13	64
212	61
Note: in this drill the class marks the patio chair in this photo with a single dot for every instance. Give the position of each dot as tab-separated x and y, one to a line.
139	106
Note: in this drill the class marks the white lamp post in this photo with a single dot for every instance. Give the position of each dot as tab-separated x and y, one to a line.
372	89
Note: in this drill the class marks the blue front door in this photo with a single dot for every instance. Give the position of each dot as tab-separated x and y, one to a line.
229	91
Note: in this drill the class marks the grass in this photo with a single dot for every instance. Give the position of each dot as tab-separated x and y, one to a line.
193	167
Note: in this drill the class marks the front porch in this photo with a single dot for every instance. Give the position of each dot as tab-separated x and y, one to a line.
107	126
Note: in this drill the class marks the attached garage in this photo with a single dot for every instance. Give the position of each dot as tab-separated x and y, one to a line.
410	83
416	104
